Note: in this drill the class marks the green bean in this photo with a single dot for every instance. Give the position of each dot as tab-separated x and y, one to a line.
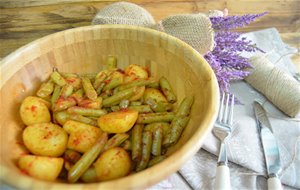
99	80
154	126
61	117
137	82
115	108
78	95
116	140
116	98
87	111
113	83
124	104
68	75
74	81
136	145
87	159
63	103
156	160
167	90
141	108
89	89
126	145
135	103
177	126
55	95
82	119
111	62
87	103
146	151
66	91
155	117
185	106
159	106
157	142
90	175
71	157
90	76
45	89
58	79
154	84
106	94
100	88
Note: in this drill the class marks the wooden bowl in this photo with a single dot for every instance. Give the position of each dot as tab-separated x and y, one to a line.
83	50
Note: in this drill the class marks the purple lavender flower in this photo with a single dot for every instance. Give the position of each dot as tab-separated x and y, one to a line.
225	59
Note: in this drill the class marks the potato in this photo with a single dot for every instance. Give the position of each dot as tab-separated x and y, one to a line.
155	94
45	168
82	136
118	121
139	94
34	110
45	139
134	71
113	163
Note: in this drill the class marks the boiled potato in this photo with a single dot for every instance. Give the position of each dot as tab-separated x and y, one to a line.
118	121
155	94
45	168
113	163
134	71
82	136
34	110
45	139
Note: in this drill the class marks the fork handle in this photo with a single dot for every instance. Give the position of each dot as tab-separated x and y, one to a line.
274	183
222	178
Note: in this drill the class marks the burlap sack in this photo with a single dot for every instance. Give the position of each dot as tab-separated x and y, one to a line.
194	29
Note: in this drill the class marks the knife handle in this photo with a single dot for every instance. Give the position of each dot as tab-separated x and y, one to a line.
274	183
222	178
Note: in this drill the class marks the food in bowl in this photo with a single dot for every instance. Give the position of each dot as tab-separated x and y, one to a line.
99	127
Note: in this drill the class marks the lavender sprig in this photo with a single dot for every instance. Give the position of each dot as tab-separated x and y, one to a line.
233	22
225	59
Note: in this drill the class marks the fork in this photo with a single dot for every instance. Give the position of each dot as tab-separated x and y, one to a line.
222	130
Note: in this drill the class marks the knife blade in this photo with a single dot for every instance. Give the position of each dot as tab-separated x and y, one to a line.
270	147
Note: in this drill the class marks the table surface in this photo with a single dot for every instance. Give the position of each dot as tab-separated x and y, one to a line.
24	21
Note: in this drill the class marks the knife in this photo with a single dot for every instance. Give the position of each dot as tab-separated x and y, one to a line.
270	147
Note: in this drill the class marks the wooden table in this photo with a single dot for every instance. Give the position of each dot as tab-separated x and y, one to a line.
24	21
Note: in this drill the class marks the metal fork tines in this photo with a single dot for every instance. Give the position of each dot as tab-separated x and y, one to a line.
222	130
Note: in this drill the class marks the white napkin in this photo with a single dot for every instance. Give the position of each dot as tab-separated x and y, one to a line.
244	146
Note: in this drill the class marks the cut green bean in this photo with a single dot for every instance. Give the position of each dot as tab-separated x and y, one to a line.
116	140
99	80
61	117
55	95
157	142
87	159
154	84
111	62
90	175
137	82
115	108
177	126
159	106
126	145
63	104
141	108
114	82
135	103
89	89
66	91
58	79
156	160
87	111
154	126
146	151
155	117
136	145
71	157
45	89
100	88
78	95
167	90
116	98
185	106
74	81
82	119
90	76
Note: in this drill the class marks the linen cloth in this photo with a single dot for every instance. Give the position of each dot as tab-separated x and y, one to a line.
247	164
